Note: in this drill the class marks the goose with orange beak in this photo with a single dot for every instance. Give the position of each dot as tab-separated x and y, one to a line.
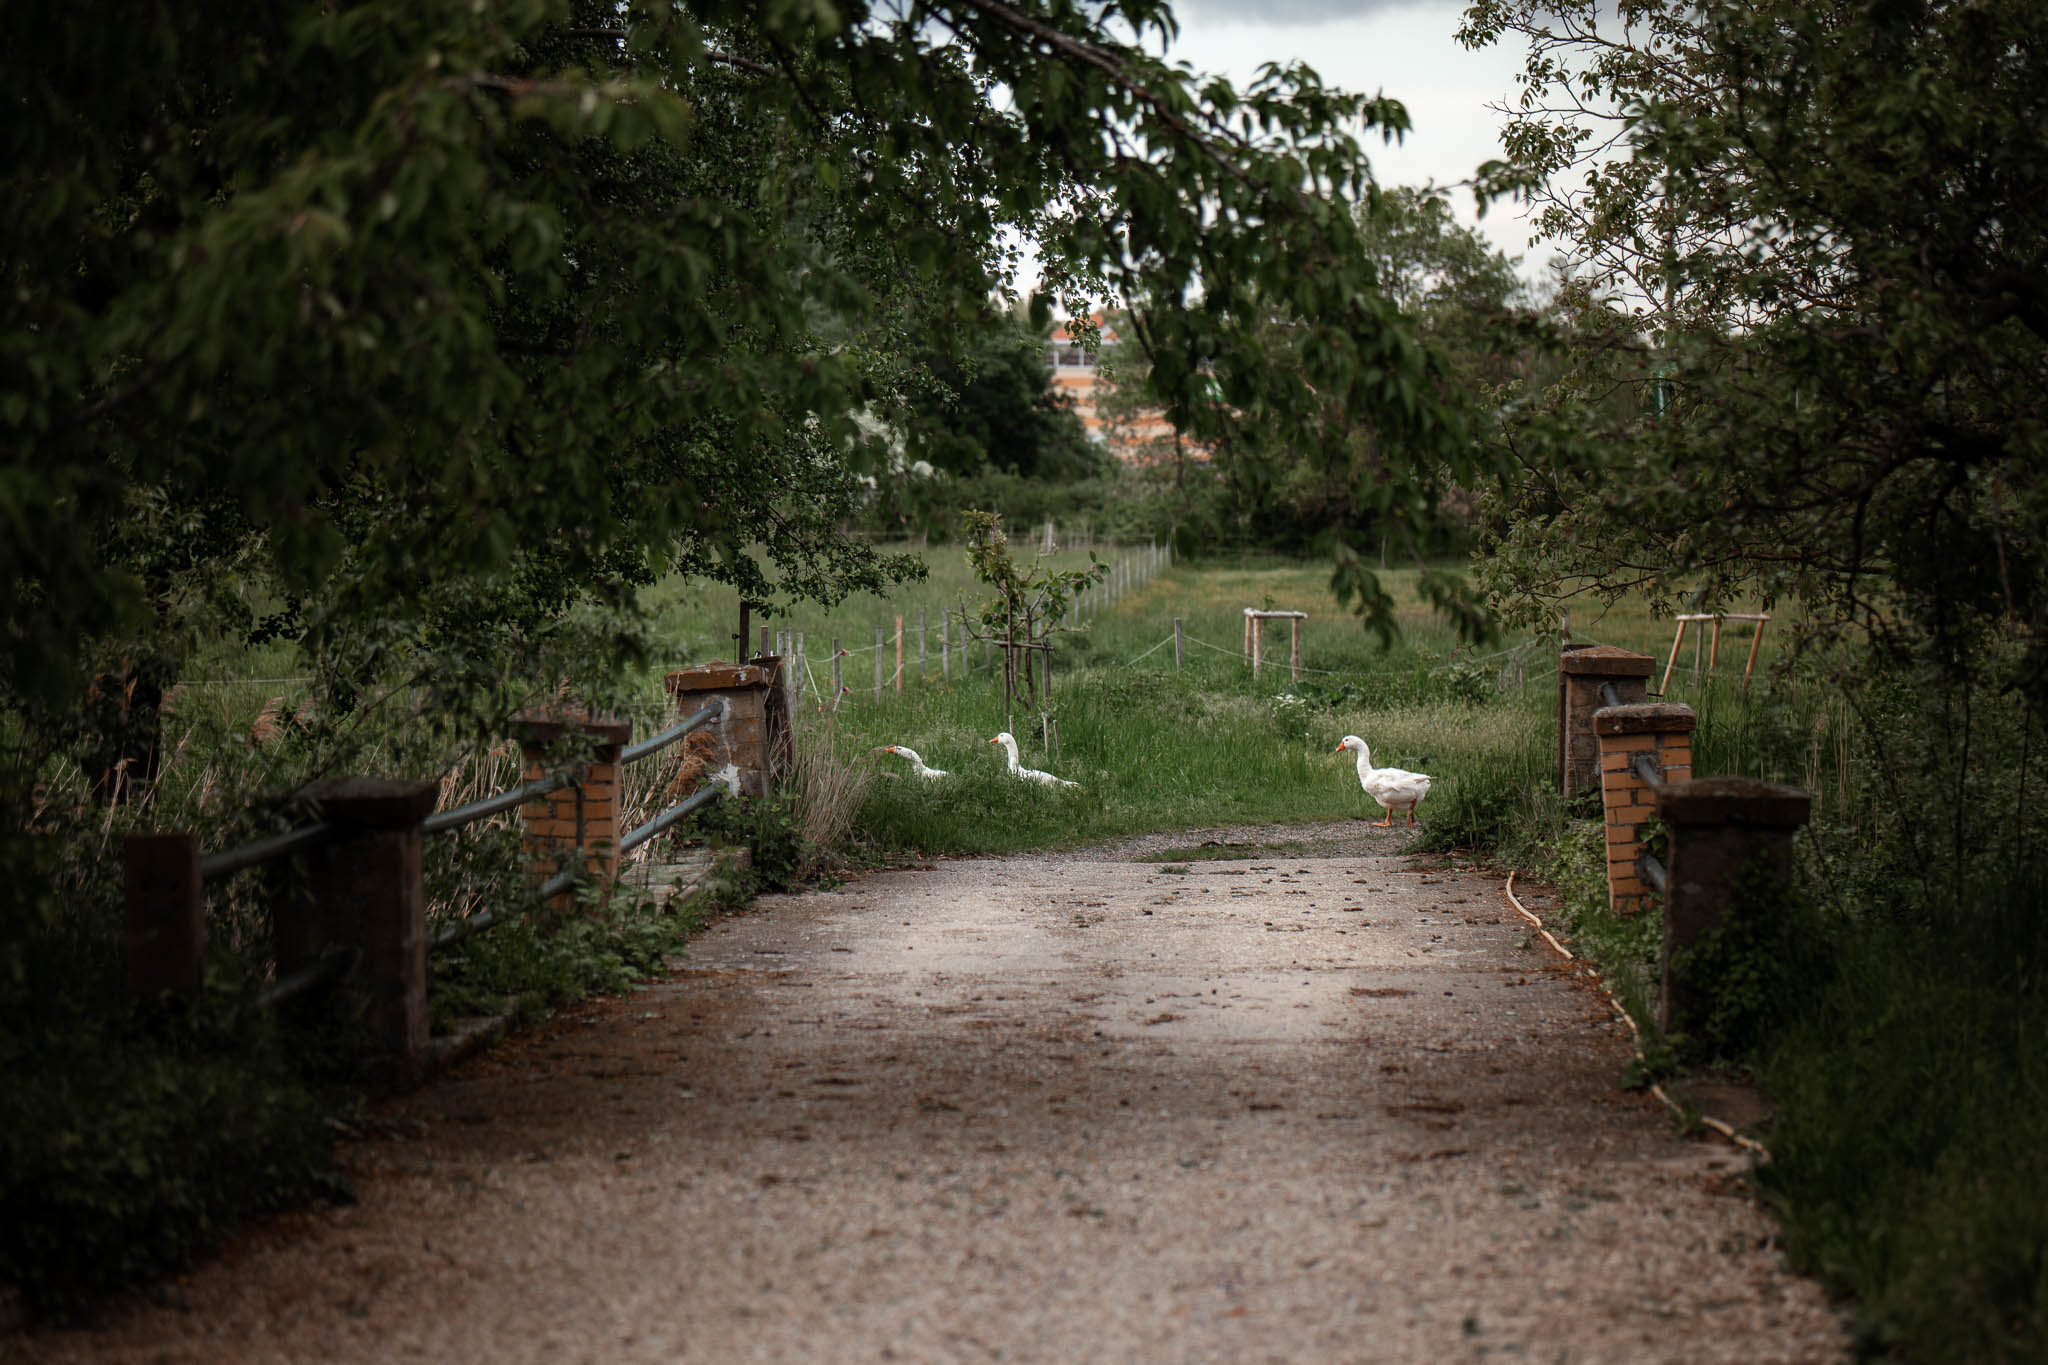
1394	788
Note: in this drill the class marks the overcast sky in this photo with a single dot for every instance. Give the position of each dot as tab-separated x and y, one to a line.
1402	48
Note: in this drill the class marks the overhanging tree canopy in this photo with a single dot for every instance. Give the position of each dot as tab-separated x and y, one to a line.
429	321
1820	274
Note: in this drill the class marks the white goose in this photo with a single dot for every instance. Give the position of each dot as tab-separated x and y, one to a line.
1394	788
916	764
1009	743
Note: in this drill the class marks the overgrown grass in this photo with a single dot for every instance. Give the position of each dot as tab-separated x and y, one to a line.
1892	1002
1157	746
132	1135
1907	1160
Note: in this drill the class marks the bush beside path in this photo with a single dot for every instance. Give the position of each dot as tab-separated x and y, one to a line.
1319	1101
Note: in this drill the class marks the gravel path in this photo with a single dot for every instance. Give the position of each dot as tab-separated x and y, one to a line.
1325	1104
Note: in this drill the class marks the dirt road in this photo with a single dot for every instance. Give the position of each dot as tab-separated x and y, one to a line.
1323	1105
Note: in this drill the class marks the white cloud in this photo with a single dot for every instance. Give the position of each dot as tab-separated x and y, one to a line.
1285	13
1406	49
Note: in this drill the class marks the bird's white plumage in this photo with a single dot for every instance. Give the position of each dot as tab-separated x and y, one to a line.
1009	743
916	763
1394	788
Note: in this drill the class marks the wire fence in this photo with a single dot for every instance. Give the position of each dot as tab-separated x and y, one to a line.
908	650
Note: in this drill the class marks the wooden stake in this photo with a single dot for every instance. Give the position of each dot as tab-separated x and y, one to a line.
1754	641
1664	683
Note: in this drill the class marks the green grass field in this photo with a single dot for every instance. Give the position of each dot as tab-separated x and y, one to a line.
1158	747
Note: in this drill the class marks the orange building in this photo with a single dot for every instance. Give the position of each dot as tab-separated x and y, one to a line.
1074	373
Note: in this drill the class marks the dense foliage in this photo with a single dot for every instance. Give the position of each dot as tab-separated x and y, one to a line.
995	409
1800	361
1337	480
1810	345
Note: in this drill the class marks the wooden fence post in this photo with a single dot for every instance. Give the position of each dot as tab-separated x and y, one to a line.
166	914
1724	831
367	890
1580	674
878	662
1176	644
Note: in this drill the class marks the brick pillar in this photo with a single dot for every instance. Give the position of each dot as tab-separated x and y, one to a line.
584	814
753	735
1723	829
166	915
366	890
1663	731
1580	672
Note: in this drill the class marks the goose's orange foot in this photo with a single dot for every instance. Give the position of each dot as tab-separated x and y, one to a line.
1388	822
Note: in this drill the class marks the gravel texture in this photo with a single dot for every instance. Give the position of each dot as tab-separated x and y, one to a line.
1322	1104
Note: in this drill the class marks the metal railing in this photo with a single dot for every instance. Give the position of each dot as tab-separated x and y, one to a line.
1648	865
654	744
442	821
257	851
569	876
703	796
330	966
338	962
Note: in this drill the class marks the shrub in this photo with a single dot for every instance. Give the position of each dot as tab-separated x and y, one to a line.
123	1154
1758	967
